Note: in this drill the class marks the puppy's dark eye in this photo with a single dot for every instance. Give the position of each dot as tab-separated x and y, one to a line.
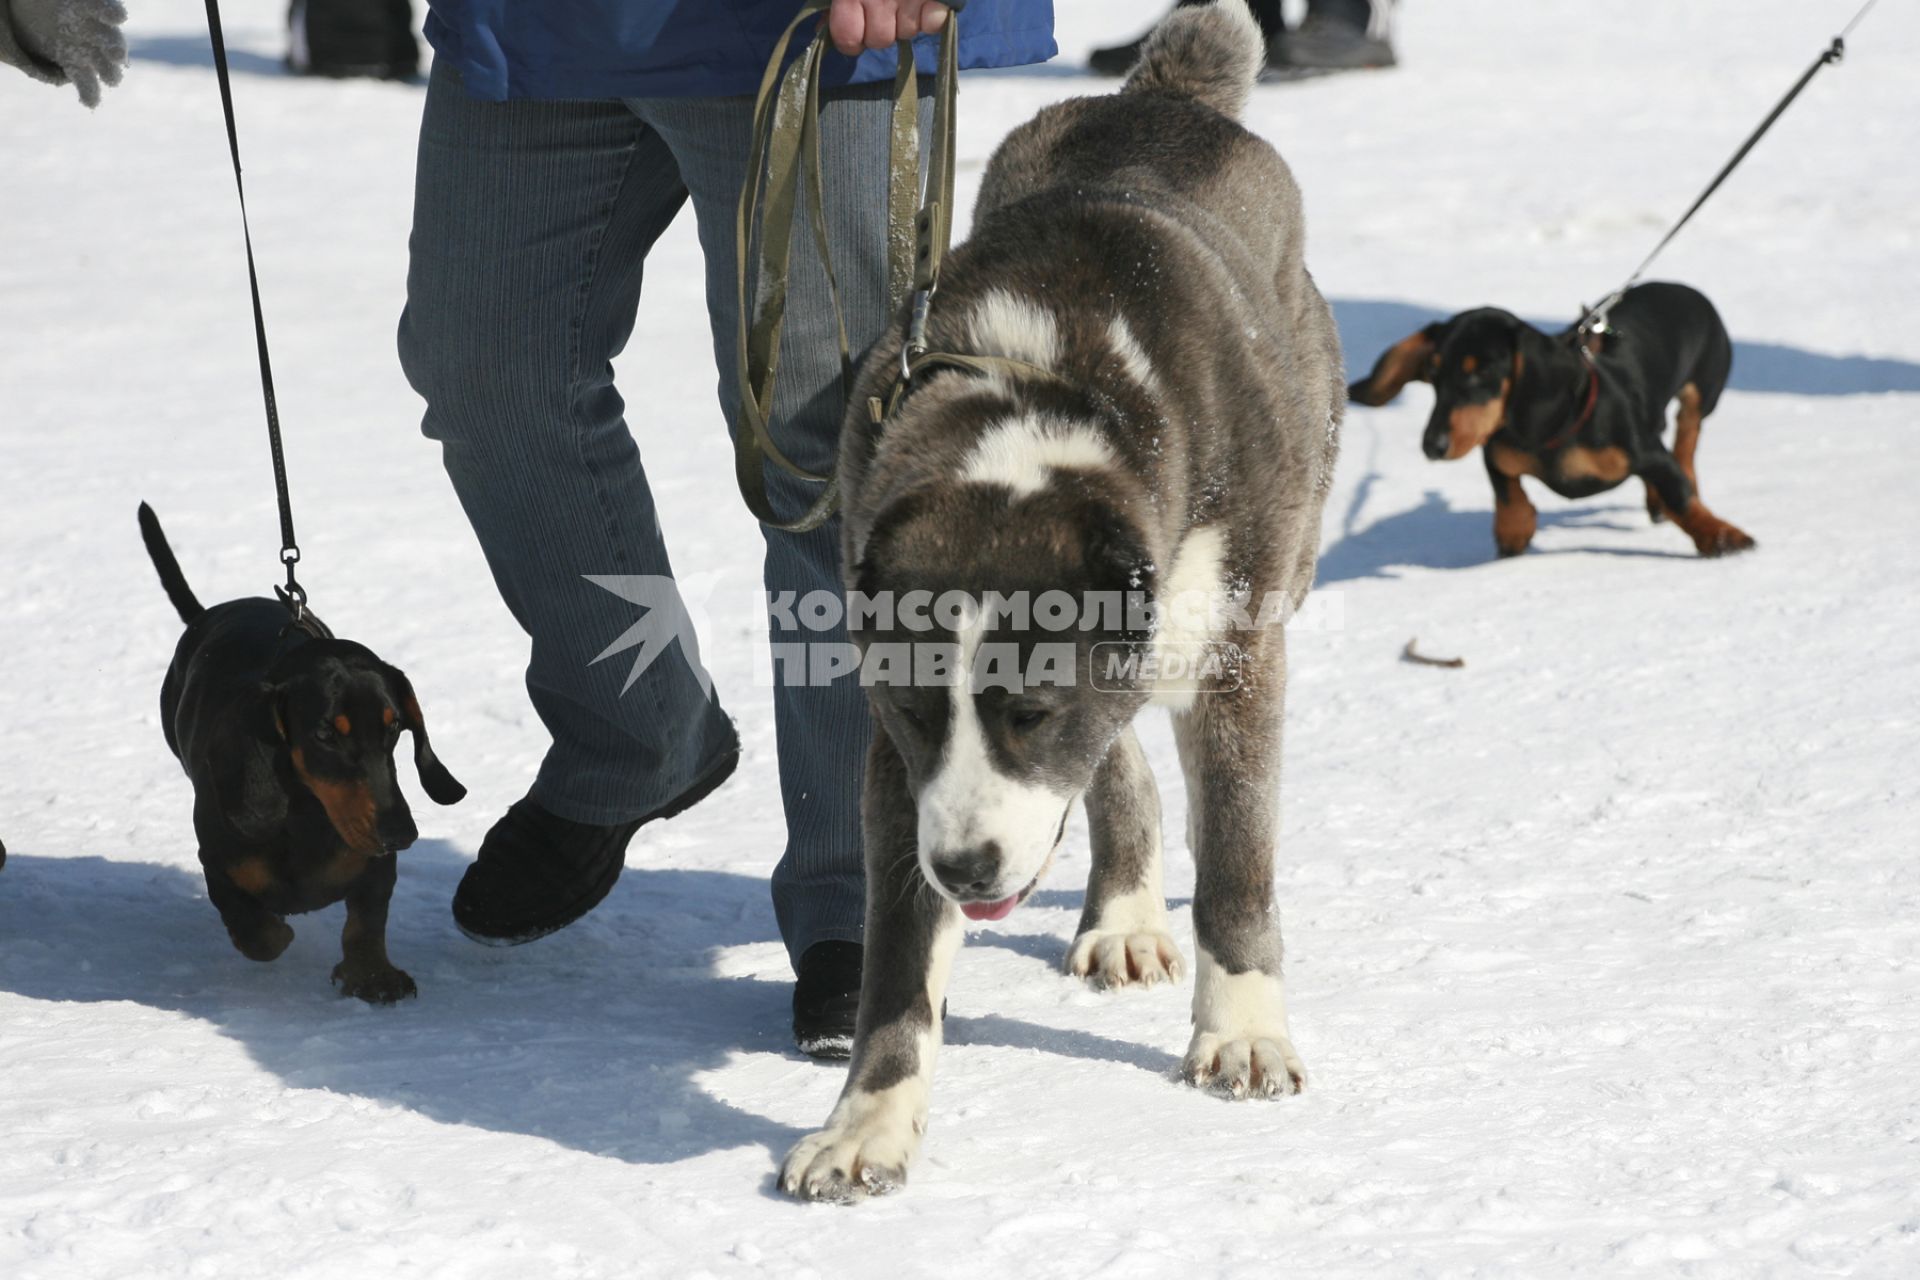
912	717
1027	717
324	732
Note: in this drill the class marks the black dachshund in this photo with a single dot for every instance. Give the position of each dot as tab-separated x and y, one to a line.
1578	417
288	734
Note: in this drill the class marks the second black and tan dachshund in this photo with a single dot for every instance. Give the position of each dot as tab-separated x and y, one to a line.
1578	417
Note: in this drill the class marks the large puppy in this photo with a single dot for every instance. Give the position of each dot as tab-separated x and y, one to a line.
1157	413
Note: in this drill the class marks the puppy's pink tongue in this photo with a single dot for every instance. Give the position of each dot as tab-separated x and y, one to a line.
990	910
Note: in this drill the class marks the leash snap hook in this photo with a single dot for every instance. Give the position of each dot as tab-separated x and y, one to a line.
916	343
293	595
1597	322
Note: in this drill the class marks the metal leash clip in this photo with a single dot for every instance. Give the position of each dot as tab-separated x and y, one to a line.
293	595
916	343
1597	324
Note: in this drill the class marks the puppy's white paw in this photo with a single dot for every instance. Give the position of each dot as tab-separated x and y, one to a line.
1142	958
1256	1066
865	1154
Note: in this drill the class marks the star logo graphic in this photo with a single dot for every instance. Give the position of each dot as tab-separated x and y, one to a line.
666	618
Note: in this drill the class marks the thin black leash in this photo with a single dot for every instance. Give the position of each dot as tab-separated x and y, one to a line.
292	595
1594	319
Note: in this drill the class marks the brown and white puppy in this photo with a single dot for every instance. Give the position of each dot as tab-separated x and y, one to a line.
288	735
1154	425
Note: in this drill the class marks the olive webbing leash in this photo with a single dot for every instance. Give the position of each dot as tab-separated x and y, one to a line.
785	154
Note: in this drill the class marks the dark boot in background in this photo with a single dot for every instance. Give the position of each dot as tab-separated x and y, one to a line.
1118	59
1340	35
344	38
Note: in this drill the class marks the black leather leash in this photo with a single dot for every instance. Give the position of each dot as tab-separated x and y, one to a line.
1594	319
292	595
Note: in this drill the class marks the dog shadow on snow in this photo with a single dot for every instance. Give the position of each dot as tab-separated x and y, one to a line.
1434	535
598	1038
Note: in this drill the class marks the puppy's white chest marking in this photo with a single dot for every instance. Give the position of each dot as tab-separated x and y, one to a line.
1187	599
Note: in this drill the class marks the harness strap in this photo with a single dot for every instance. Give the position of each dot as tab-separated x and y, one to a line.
784	153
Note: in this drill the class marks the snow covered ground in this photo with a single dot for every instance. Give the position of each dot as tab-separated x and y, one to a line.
1604	954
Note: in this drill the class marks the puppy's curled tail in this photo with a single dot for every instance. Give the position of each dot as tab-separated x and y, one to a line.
170	576
1211	53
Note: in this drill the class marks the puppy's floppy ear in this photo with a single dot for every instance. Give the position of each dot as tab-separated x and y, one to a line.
240	766
1408	360
1529	344
440	785
889	521
1118	561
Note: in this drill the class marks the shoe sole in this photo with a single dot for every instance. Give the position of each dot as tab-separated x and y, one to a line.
700	790
825	1048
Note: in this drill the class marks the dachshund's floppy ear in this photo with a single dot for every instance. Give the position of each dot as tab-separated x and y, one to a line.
440	785
240	767
1408	360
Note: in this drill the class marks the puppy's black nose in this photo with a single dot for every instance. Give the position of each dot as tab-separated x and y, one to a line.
968	872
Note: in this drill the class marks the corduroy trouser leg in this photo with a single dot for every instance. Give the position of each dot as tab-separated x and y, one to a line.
532	223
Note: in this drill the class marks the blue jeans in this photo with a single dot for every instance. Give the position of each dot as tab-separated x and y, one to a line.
532	222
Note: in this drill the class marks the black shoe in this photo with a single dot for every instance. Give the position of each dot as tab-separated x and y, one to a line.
1325	43
537	872
826	999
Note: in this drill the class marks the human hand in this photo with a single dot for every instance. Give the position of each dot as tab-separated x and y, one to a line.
877	24
81	38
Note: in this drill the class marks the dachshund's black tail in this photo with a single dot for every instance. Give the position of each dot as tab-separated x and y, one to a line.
170	576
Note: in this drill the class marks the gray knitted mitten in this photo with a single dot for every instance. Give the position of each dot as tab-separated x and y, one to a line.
69	40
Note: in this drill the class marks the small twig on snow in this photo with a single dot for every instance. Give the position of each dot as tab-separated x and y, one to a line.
1410	654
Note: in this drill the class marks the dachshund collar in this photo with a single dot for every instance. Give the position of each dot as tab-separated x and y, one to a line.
1586	412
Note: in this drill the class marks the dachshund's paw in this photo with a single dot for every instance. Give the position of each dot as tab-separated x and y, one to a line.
1258	1066
1514	524
263	940
1722	539
1122	958
375	986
